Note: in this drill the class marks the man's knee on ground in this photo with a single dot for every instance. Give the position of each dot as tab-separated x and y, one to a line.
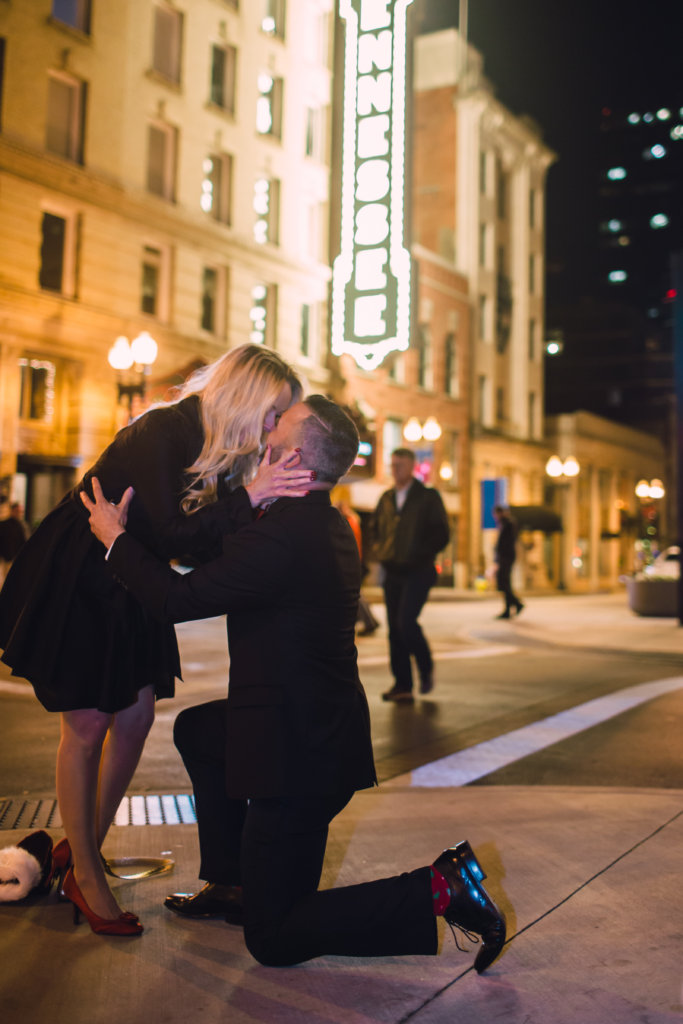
268	948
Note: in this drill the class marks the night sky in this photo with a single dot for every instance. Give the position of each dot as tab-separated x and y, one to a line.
561	63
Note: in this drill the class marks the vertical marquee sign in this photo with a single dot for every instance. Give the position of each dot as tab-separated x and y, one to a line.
371	274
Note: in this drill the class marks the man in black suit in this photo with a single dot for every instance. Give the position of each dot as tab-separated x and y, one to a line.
293	737
411	527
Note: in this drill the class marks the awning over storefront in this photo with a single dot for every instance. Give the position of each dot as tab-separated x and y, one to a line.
536	517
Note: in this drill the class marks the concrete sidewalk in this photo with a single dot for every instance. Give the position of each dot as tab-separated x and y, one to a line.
590	881
589	878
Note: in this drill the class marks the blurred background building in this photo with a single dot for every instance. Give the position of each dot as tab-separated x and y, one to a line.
170	180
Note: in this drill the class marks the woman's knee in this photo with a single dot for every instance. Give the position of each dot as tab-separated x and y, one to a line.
136	720
85	729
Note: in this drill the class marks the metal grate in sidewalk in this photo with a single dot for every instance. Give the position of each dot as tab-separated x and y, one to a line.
150	809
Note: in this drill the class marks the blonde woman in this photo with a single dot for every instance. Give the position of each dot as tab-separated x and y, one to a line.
87	647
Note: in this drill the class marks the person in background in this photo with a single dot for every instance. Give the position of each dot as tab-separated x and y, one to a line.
504	556
13	536
90	651
411	527
365	616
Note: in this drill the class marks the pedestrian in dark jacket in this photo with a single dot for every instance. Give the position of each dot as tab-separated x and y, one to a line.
411	527
505	553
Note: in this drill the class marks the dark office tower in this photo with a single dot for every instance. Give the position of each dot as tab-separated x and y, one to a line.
617	352
640	207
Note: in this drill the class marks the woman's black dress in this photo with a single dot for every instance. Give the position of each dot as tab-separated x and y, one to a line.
66	624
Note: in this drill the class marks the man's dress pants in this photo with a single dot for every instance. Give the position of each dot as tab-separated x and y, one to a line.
275	849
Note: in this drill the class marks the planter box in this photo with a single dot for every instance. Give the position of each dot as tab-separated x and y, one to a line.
653	597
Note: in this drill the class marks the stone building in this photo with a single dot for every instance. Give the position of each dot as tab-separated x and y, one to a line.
163	169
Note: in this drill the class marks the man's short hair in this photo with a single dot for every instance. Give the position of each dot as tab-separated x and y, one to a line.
330	439
404	453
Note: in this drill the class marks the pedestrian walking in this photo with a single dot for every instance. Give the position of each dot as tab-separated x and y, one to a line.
411	527
369	623
505	553
13	536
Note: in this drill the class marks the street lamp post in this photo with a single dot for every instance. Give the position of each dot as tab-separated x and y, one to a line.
561	473
133	361
429	431
649	492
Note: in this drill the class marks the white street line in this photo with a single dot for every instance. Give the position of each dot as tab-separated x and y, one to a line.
467	765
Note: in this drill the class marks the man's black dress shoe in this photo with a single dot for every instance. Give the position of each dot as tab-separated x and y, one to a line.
471	908
214	900
503	615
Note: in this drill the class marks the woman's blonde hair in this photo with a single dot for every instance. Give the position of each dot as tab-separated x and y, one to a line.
235	394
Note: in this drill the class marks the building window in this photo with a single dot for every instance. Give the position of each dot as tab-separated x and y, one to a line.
75	13
273	20
269	106
501	196
483	233
168	38
57	271
482	399
532	273
209	297
500	405
392	438
532	414
396	367
314	133
305	331
162	147
2	74
263	315
482	174
483	317
267	209
216	197
223	77
213	300
532	338
37	389
532	207
154	284
425	372
65	116
451	382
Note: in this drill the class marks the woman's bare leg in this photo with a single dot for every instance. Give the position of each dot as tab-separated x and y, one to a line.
78	768
122	749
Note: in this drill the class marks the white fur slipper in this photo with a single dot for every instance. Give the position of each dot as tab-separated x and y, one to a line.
20	872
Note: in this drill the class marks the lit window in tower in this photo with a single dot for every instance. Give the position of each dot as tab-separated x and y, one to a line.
616	173
658	151
615	225
663	114
659	220
633	118
649	118
676	133
617	276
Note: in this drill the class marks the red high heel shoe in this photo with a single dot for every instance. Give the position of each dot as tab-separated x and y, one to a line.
61	862
125	924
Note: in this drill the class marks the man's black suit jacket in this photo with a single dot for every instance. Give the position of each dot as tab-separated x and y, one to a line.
297	715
